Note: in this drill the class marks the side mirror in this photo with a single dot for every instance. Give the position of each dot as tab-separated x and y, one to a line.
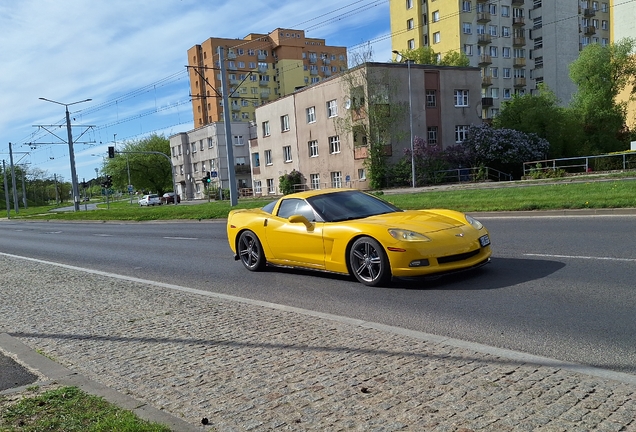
297	218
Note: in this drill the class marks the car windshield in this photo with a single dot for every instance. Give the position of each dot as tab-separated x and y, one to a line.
269	207
349	205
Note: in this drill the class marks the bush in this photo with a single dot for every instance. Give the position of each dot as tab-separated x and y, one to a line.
288	181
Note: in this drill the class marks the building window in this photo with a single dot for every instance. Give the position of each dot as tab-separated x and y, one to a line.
461	132
362	174
313	148
284	123
266	128
256	160
411	44
332	108
466	6
287	154
506	72
494	92
604	25
432	135
506	93
435	17
314	180
270	186
311	114
194	147
238	140
436	37
467	28
505	31
410	24
409	4
334	144
268	157
461	98
494	72
195	167
257	187
336	179
431	98
210	143
492	30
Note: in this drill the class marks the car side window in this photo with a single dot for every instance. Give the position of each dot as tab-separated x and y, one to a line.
294	206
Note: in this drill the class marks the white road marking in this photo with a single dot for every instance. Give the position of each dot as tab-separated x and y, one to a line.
182	238
583	257
103	235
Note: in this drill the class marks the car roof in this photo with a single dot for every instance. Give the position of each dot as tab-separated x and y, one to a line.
314	192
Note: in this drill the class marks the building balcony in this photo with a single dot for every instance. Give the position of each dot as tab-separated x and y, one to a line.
518	21
256	170
326	61
328	72
313	72
265	94
519	62
518	41
517	2
589	30
242	169
519	82
482	1
234	81
231	66
486	102
261	57
263	83
262	69
231	55
486	81
484	39
485	59
483	17
313	60
589	13
236	107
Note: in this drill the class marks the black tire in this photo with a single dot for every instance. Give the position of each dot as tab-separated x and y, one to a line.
250	251
368	262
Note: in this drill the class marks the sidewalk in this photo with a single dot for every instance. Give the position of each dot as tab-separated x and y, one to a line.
247	365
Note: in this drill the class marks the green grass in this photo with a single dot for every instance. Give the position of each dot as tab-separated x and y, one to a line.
69	409
614	193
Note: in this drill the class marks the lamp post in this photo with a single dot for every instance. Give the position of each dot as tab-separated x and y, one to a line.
408	66
71	153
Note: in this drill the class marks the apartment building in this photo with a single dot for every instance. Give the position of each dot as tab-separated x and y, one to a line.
315	130
516	43
203	150
260	68
623	26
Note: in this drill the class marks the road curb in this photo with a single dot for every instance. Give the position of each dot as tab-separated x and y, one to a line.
51	372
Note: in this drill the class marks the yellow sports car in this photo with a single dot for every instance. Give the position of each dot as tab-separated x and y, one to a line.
352	232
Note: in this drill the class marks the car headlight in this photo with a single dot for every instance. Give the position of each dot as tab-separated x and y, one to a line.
406	235
474	223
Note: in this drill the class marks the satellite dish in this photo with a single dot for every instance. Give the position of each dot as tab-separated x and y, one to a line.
347	104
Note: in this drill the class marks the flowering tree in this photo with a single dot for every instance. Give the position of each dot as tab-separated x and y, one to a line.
504	146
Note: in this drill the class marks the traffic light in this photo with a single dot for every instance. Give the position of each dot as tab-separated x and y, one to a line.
109	181
111	152
207	178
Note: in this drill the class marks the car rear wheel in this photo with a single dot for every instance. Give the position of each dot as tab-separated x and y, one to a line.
368	262
251	252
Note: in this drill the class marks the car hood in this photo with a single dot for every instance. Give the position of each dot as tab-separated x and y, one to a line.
422	221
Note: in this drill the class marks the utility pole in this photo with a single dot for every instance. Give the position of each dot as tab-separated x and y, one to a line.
6	190
71	152
228	134
15	191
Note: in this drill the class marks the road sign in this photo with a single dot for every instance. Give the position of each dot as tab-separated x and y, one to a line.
130	188
213	174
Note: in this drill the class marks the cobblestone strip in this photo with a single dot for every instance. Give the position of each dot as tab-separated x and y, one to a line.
247	367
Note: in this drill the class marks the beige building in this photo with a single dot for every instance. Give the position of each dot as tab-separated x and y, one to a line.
623	26
203	150
317	130
260	68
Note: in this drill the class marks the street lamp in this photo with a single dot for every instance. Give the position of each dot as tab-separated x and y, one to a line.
71	153
408	66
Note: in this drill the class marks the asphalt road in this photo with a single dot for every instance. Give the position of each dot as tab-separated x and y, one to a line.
560	287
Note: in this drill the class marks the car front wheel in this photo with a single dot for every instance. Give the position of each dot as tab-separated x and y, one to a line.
250	251
368	262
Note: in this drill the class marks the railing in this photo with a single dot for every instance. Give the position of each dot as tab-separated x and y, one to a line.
466	175
583	164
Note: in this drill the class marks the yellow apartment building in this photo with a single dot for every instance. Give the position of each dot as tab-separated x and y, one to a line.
260	68
517	44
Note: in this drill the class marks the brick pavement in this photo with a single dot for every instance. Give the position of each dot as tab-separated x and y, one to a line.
246	366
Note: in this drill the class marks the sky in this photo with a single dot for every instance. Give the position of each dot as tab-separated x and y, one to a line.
129	58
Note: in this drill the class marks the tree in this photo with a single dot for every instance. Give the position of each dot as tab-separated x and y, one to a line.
148	171
373	119
287	182
541	114
428	56
504	148
601	73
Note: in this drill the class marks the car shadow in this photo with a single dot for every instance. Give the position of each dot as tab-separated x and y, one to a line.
499	273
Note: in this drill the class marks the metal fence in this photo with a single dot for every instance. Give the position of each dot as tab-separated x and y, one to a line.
583	164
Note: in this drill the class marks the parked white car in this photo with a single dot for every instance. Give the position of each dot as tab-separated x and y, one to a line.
150	200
